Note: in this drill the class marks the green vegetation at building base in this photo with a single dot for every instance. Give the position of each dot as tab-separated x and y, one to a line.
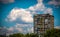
49	33
24	35
52	33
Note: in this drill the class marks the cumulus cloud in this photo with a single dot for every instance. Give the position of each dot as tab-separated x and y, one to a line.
31	30
25	15
6	1
11	29
3	30
57	27
21	14
54	2
40	7
22	28
48	10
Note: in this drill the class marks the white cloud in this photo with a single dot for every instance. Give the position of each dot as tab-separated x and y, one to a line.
22	14
31	30
40	7
3	30
40	1
11	29
7	1
48	10
26	28
26	16
54	2
57	27
22	27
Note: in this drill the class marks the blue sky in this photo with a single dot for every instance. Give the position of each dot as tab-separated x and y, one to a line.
17	15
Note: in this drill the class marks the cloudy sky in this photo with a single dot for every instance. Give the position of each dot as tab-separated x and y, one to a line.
17	15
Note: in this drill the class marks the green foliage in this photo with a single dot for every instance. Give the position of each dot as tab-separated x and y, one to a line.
53	33
31	35
2	36
17	35
23	35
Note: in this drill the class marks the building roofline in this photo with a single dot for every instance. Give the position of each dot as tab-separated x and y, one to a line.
43	15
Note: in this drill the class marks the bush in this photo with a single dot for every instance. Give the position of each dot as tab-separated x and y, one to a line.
23	35
52	33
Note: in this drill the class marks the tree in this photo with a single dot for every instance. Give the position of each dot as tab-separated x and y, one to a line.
27	35
31	35
24	35
52	33
17	35
2	35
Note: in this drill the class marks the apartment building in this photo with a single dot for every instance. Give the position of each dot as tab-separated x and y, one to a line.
43	22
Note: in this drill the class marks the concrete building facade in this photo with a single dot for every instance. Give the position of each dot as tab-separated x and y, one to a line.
43	22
